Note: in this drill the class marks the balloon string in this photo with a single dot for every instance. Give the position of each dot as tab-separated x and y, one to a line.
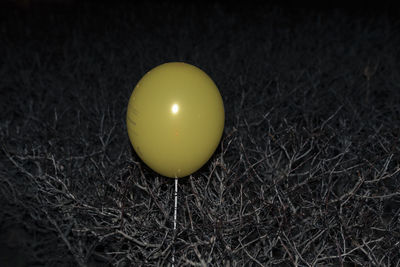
175	215
176	203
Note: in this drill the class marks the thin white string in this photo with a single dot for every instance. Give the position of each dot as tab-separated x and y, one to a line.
175	215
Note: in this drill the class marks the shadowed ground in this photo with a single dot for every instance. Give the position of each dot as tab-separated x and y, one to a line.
307	172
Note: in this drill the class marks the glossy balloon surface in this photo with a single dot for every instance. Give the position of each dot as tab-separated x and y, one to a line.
175	119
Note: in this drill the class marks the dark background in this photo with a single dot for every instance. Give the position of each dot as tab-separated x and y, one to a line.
307	172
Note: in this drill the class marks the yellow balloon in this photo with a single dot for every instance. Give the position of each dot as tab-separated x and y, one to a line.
175	119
